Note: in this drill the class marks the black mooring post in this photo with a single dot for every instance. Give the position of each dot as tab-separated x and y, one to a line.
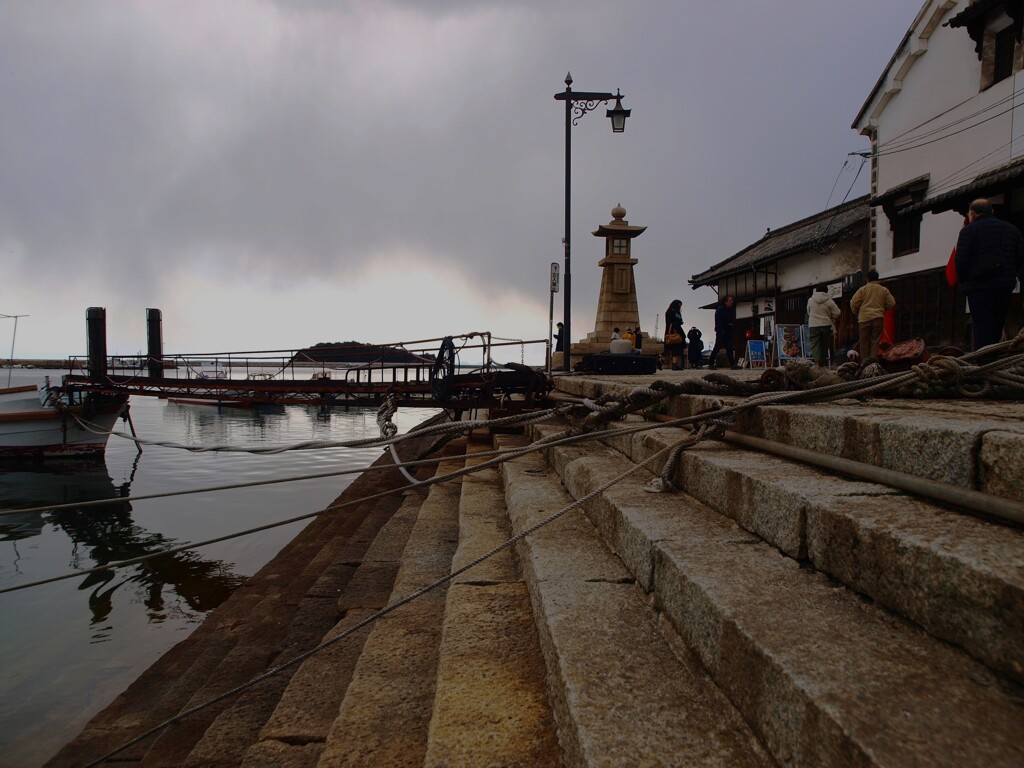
96	332
155	343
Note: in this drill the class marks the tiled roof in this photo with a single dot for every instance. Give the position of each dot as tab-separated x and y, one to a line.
815	231
982	183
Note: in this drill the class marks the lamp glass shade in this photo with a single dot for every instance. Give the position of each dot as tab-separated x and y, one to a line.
618	117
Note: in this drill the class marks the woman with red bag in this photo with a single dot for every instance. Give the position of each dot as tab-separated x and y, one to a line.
675	343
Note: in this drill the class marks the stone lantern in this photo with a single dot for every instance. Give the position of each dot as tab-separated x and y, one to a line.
616	303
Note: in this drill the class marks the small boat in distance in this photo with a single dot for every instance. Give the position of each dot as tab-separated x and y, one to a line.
43	422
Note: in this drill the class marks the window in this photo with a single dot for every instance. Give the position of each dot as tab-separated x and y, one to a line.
620	247
906	226
906	234
1002	58
995	26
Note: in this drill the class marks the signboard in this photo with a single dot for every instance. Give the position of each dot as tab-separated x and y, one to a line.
554	277
757	353
835	291
791	342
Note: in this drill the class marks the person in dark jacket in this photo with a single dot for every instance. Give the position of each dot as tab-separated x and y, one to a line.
695	347
673	353
725	327
989	259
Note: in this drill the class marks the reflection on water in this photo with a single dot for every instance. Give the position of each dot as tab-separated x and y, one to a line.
105	534
71	646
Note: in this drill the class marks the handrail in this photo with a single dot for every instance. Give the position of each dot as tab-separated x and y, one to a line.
286	359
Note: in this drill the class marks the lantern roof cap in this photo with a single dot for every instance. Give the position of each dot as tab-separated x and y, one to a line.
618	226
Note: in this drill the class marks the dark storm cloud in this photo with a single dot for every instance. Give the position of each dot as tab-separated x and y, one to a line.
278	140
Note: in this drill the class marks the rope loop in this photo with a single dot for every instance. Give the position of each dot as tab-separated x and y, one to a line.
388	408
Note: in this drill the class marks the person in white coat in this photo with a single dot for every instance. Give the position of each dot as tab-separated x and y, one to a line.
822	314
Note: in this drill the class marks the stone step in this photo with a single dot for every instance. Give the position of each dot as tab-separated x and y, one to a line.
295	732
621	692
170	685
822	676
227	737
384	716
266	618
290	619
958	576
491	705
970	444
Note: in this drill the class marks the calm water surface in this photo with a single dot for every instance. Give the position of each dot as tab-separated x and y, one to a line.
70	647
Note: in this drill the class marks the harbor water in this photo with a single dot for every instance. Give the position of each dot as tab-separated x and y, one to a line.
71	646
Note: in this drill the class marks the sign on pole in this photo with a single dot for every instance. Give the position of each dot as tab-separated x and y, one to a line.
554	277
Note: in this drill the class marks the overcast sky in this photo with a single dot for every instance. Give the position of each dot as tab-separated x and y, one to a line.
276	174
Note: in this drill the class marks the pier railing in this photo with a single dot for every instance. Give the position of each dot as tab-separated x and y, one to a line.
324	373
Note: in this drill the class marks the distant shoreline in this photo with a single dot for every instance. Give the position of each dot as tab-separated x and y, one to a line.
40	363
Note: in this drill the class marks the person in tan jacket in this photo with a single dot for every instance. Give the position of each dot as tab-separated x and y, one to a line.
870	303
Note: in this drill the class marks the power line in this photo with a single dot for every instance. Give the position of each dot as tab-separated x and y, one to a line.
908	148
898	139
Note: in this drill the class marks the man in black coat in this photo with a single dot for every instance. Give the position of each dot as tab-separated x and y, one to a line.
725	327
989	258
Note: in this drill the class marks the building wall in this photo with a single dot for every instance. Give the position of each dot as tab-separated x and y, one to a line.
938	87
811	268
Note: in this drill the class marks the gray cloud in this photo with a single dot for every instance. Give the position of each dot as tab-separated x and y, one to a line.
279	140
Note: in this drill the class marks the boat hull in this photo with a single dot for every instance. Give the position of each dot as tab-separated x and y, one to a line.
30	430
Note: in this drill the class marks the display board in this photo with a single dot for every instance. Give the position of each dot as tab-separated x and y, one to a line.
757	353
792	342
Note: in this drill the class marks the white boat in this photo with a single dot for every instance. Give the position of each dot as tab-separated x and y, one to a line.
43	422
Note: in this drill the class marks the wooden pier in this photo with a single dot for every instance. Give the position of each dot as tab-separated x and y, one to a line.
427	373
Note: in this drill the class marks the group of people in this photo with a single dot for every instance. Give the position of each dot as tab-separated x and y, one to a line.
632	335
869	303
676	339
989	261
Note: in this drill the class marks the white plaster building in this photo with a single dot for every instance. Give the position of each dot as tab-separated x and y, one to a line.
772	279
945	127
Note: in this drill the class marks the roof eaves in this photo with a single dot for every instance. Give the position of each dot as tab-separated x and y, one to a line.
721	269
896	56
946	200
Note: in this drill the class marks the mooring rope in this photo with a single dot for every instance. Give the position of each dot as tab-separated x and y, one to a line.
610	407
376	616
306	445
599	413
497	458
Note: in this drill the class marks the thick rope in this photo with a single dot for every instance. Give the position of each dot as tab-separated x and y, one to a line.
379	614
460	427
634	400
603	409
498	459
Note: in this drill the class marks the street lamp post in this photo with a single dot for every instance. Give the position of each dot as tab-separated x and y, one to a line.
577	104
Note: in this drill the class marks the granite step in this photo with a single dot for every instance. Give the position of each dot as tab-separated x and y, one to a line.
384	716
228	737
270	616
623	689
967	443
295	732
288	621
822	675
491	705
291	730
958	576
170	685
